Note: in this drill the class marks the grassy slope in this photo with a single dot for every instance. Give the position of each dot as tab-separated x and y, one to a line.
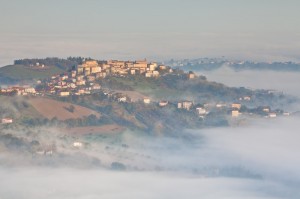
168	89
150	87
21	72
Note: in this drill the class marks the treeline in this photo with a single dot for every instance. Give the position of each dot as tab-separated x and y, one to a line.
90	120
277	66
64	64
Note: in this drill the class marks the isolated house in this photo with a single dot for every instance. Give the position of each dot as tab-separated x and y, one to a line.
272	115
77	144
266	109
235	113
163	103
201	111
122	99
236	106
147	100
191	75
7	121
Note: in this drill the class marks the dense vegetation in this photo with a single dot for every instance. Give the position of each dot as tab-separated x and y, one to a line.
64	64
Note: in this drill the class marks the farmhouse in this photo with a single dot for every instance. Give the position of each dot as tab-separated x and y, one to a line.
7	121
235	113
163	103
236	106
147	100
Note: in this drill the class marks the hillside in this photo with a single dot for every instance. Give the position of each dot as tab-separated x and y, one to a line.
178	99
87	130
14	73
50	108
173	87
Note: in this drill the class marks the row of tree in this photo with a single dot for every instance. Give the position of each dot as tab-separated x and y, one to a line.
65	64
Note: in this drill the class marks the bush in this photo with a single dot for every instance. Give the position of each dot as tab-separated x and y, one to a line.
118	166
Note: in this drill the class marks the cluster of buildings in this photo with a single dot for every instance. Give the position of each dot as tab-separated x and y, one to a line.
18	90
93	69
68	84
233	109
263	110
201	110
82	80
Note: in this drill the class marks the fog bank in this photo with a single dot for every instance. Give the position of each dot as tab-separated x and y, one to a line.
257	161
286	82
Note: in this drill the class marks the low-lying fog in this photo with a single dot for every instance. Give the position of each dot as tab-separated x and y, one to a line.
259	160
287	82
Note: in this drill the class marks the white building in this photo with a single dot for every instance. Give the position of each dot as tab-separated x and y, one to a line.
96	87
64	93
30	90
7	121
221	105
163	103
201	111
77	144
272	115
122	99
147	100
235	113
185	105
236	106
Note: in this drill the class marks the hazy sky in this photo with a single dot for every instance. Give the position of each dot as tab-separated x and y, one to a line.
156	29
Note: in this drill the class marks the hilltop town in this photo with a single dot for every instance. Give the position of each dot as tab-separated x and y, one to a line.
82	79
90	101
88	78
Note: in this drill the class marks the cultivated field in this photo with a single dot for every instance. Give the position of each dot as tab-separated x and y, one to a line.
50	108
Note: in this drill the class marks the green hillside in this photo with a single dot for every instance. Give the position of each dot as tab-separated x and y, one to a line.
21	72
173	87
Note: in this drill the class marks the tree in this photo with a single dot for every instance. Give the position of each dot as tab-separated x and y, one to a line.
118	166
71	108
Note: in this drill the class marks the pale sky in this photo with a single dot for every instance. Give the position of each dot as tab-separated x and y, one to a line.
267	30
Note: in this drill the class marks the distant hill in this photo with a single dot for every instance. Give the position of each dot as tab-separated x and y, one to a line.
207	64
